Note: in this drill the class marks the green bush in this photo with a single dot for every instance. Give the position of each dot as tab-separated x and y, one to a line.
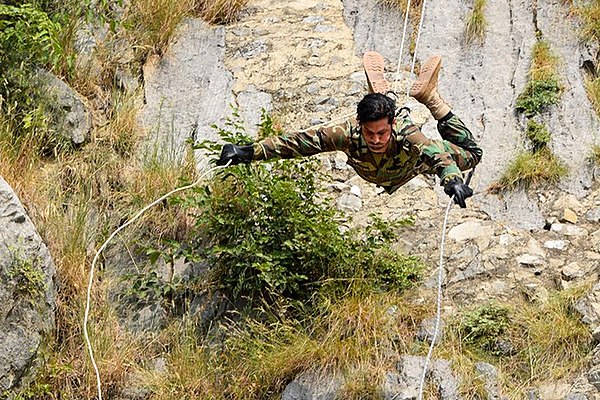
29	39
483	326
268	231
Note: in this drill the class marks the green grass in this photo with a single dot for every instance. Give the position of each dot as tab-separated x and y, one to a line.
543	88
476	23
531	169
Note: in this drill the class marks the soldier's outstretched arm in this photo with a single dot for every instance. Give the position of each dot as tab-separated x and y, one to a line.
293	145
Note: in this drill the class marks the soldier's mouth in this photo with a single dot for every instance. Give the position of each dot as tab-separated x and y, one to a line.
377	148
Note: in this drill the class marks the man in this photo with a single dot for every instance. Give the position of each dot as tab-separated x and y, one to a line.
382	148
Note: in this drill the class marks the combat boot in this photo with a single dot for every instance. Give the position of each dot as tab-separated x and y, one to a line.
424	89
374	67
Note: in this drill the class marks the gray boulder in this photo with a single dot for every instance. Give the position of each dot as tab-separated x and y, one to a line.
405	384
71	117
312	386
27	292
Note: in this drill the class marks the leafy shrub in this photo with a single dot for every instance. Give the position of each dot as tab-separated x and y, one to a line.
483	326
29	39
267	230
270	233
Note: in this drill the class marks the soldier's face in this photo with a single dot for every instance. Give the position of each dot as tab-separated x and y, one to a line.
377	134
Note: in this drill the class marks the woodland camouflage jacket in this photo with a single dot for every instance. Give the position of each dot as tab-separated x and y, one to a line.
410	152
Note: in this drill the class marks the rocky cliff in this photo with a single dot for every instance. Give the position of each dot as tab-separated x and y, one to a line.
301	60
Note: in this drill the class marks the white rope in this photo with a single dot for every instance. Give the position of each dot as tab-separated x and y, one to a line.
397	77
439	301
414	60
96	257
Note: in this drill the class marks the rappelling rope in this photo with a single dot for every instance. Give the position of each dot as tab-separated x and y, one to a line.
97	256
414	58
438	313
439	301
397	77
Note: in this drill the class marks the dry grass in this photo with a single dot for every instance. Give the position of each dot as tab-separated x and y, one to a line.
544	63
590	14
414	16
476	23
592	87
595	154
531	169
550	344
153	23
357	338
219	11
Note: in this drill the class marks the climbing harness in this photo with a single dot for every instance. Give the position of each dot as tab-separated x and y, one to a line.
97	256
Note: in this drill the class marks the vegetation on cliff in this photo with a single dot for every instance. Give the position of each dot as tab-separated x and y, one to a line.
302	294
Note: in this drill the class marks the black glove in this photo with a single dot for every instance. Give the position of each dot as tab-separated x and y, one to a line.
455	187
236	154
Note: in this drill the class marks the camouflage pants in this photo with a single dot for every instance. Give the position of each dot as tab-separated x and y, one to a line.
459	143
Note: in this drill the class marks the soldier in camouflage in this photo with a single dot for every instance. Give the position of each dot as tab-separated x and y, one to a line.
384	148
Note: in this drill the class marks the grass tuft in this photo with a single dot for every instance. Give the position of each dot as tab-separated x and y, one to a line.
590	14
595	154
592	87
152	23
543	88
476	23
219	11
530	169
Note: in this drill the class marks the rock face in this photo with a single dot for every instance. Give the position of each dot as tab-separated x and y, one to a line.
483	91
186	91
73	119
189	90
27	291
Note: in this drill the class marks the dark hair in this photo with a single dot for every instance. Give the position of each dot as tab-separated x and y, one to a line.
375	106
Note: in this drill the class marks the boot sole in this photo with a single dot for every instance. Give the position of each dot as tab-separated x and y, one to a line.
424	84
374	66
